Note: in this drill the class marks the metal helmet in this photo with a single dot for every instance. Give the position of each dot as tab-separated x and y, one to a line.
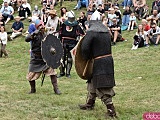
96	16
36	7
71	16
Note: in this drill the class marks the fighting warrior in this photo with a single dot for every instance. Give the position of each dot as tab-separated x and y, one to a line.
70	31
96	45
37	65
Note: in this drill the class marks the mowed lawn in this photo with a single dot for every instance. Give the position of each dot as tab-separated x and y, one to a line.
137	75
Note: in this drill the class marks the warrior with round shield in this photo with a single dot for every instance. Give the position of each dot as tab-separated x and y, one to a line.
96	47
69	33
37	64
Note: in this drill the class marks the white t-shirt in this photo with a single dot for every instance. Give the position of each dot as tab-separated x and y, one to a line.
3	37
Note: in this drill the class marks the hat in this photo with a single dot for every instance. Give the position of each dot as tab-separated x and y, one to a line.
52	12
38	22
17	17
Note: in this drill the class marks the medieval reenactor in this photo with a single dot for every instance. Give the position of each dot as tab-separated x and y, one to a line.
38	65
69	33
96	46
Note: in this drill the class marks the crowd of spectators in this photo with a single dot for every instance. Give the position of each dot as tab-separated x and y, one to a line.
135	14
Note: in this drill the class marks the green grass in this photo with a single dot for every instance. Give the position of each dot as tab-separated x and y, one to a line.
137	75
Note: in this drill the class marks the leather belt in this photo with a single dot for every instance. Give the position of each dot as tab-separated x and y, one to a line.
102	56
68	38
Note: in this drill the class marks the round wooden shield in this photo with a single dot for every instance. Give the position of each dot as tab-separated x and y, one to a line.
83	67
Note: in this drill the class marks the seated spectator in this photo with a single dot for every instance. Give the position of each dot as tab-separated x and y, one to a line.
44	14
118	14
27	6
154	17
17	27
139	8
126	15
156	5
116	31
127	3
1	20
116	3
3	41
153	35
13	3
63	14
7	12
100	9
111	15
145	25
52	23
139	38
82	19
107	5
22	12
52	2
81	3
132	22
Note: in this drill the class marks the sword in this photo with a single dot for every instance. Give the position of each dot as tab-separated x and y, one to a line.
43	76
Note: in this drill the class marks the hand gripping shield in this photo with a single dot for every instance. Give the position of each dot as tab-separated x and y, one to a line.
52	51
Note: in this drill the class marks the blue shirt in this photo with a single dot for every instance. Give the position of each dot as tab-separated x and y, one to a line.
17	25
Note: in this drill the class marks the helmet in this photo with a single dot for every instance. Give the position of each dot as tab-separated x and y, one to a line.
96	16
71	16
35	7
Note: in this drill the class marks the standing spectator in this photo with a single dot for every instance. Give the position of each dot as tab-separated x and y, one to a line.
52	23
132	22
3	41
153	35
126	15
7	12
17	28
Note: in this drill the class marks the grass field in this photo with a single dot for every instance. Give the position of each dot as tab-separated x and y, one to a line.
137	75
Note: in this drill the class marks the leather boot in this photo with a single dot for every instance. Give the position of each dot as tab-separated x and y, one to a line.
88	106
62	73
111	110
55	85
68	67
1	53
33	86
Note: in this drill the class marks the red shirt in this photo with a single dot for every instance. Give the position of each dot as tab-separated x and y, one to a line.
146	27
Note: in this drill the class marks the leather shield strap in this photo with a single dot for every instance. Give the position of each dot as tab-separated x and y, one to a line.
103	56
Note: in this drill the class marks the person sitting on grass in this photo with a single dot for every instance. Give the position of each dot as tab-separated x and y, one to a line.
17	27
3	41
139	37
7	12
132	22
153	35
116	31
